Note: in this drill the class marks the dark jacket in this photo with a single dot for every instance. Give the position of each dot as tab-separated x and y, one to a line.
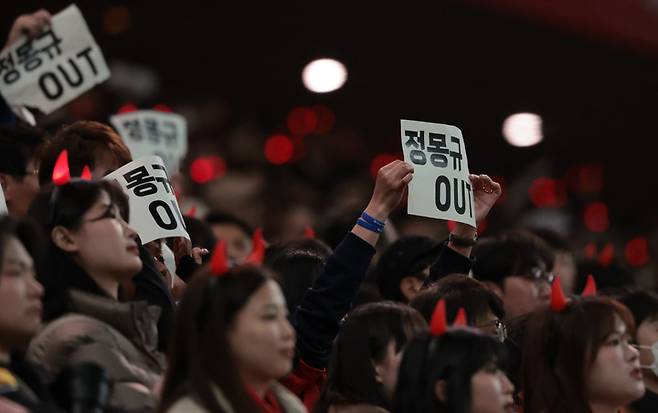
448	262
317	319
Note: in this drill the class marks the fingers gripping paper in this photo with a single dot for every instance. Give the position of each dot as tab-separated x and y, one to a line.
440	188
149	132
154	211
54	67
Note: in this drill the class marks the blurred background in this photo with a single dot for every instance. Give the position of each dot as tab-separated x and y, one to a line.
555	99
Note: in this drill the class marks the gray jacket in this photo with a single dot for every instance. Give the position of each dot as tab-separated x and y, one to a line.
120	337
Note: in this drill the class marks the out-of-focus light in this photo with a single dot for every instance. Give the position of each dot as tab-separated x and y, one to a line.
117	19
547	193
302	121
380	160
523	129
607	254
326	118
637	251
279	149
596	217
207	168
590	250
324	75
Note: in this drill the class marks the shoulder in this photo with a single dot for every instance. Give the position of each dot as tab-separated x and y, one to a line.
186	405
289	402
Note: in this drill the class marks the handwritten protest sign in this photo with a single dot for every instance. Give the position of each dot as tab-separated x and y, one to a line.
55	67
3	204
150	132
154	211
440	188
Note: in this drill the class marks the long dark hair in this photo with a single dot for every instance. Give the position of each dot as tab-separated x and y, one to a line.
363	340
454	357
200	356
560	348
65	206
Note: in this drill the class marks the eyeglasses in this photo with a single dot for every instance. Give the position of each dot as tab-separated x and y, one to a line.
539	274
500	328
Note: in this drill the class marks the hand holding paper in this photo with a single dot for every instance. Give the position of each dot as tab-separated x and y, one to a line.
485	194
390	186
28	24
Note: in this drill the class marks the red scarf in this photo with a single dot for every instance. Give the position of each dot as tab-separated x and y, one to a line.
268	404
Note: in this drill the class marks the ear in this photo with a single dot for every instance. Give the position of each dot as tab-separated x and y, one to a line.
409	287
63	239
378	374
441	390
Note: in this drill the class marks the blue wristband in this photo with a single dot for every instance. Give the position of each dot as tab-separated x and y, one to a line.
370	227
372	220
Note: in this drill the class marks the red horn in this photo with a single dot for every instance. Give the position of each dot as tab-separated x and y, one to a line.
258	250
438	325
460	319
558	300
590	287
218	261
86	174
61	172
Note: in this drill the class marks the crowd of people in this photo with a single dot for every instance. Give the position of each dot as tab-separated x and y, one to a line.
94	320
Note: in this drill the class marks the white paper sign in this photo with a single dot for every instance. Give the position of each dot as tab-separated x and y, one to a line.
3	203
154	211
150	132
440	187
55	67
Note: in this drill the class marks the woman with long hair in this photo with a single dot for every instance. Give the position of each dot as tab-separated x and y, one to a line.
365	358
453	370
232	343
577	356
92	250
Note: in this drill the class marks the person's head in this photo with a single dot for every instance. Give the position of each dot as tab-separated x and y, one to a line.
580	357
517	266
231	331
19	165
565	263
644	307
298	263
20	292
92	247
457	372
88	143
236	232
403	266
483	307
367	352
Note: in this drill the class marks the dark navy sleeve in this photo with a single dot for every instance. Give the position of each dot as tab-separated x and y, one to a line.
449	261
317	319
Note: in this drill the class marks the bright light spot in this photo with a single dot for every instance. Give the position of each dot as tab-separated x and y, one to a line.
324	75
207	168
523	129
279	149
